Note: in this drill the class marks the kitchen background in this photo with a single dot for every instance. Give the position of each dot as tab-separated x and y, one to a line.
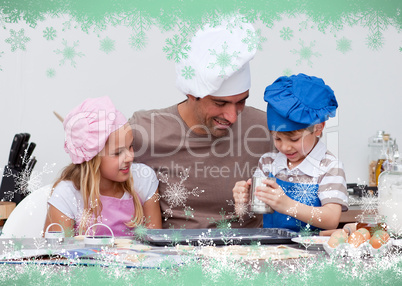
54	54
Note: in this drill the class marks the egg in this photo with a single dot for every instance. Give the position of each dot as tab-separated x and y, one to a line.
337	237
365	233
379	238
356	238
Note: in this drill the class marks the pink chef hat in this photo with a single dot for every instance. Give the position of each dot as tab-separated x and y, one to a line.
88	126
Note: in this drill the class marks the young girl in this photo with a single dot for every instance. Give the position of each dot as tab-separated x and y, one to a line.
98	186
310	188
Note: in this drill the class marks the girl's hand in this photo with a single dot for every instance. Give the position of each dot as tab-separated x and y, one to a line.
274	196
241	195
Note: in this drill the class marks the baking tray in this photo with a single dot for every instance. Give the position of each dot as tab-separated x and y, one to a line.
171	237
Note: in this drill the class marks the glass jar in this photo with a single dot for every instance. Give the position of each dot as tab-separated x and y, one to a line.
376	144
371	222
390	198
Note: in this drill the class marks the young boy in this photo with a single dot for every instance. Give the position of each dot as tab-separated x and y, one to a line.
310	185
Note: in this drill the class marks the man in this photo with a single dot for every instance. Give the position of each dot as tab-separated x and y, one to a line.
200	147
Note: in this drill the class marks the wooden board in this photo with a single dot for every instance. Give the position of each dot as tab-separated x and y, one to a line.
5	209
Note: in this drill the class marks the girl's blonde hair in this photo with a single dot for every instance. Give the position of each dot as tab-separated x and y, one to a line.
86	178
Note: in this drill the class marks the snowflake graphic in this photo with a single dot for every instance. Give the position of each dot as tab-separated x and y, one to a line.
39	242
176	48
188	72
301	267
400	49
7	172
369	204
292	211
254	40
68	25
304	193
306	230
305	53
17	40
225	222
50	72
138	41
286	33
25	181
107	45
35	181
86	218
176	237
3	21
12	247
140	232
241	210
187	30
223	59
305	240
176	194
188	212
394	226
49	33
316	212
375	41
69	53
22	181
343	45
287	72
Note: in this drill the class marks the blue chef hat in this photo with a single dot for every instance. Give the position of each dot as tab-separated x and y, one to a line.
297	102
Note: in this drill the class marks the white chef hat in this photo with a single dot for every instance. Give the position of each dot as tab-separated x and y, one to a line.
218	61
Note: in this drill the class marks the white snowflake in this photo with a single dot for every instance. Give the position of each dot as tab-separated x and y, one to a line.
395	226
26	181
304	193
21	182
7	172
292	211
369	204
176	194
301	267
89	219
39	242
241	210
316	212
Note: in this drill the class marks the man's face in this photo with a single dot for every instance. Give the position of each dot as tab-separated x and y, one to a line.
216	115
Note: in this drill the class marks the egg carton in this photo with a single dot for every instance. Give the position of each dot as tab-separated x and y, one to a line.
365	249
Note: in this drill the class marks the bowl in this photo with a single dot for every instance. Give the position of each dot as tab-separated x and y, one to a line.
102	240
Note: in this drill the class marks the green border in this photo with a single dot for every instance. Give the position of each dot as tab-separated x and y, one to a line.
166	14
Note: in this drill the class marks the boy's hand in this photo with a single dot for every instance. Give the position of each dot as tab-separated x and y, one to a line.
241	195
241	191
274	196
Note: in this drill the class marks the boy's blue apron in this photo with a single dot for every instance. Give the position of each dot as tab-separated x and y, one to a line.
303	193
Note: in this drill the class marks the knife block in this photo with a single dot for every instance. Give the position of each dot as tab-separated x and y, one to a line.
9	190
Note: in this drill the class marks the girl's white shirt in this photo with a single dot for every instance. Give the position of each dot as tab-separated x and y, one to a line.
67	199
